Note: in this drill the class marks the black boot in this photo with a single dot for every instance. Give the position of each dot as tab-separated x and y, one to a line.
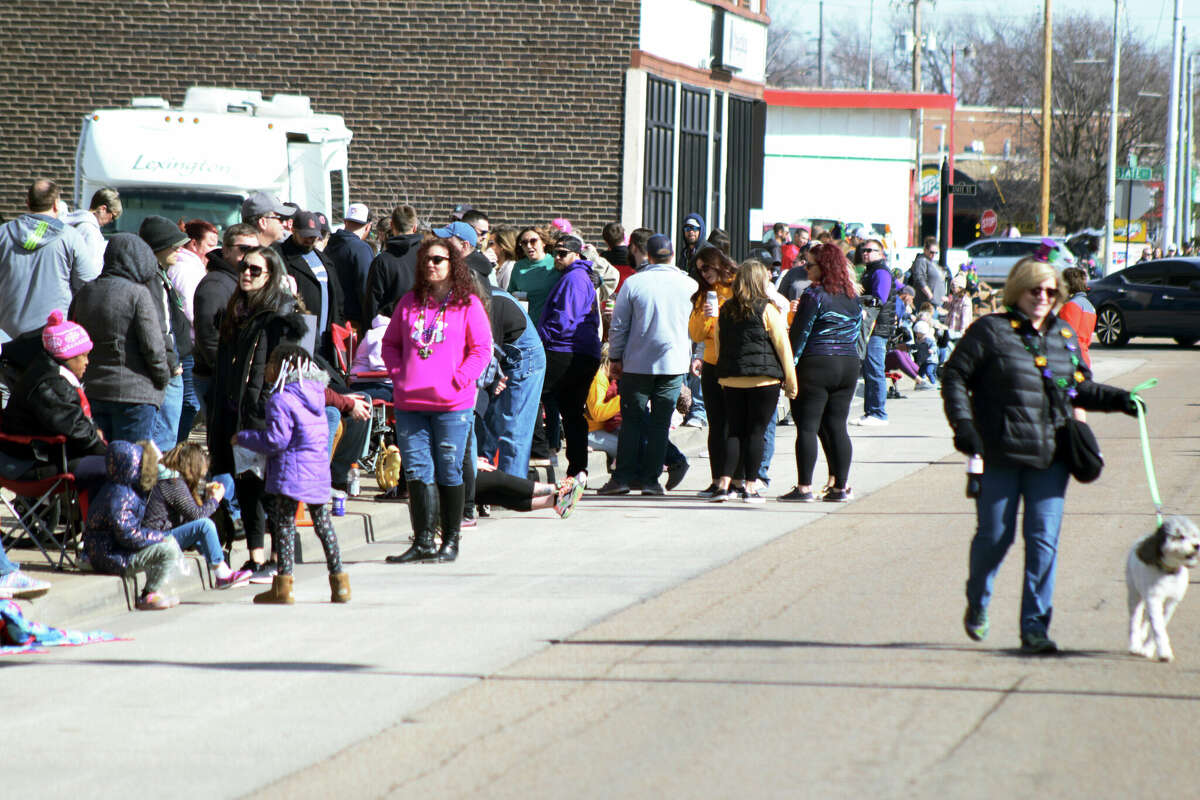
422	513
452	498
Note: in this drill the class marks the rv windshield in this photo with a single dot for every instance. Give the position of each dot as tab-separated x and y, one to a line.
221	210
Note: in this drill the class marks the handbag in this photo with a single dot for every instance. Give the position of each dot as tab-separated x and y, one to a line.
1075	444
870	313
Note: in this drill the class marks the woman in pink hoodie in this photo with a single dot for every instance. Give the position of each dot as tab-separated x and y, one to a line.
437	345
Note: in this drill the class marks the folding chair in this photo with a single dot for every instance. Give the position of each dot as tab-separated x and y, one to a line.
39	503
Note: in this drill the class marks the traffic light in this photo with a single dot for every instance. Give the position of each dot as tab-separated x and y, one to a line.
978	233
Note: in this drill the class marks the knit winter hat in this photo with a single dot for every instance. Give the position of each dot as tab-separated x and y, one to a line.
63	339
161	234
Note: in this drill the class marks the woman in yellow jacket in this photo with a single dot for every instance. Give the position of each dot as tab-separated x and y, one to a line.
715	272
603	411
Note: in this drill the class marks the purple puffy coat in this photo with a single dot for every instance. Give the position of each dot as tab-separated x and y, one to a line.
296	442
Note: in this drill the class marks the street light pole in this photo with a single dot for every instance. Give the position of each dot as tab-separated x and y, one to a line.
1191	149
1167	233
1181	170
1047	115
941	129
1110	180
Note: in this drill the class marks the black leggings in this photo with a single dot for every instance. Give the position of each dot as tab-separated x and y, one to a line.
826	385
283	516
718	420
501	489
568	379
251	493
749	414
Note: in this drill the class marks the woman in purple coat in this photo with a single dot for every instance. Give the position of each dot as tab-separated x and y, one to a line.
295	442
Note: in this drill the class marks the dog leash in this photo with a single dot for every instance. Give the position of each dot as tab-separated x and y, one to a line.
1146	457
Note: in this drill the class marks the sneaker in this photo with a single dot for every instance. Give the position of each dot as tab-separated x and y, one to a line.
975	623
237	578
22	586
694	422
652	490
468	523
613	487
720	496
797	496
581	478
263	573
709	492
483	510
567	499
869	422
926	387
675	475
1038	644
753	498
153	601
739	493
838	495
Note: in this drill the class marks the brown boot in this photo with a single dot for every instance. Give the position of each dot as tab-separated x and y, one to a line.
339	587
280	592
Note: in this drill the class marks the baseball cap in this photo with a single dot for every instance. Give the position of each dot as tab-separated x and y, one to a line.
691	224
460	229
358	212
459	210
259	203
570	242
323	222
306	224
659	246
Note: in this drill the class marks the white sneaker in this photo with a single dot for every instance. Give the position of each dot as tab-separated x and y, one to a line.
870	422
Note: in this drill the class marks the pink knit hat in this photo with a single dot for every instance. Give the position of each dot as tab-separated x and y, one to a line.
63	339
562	224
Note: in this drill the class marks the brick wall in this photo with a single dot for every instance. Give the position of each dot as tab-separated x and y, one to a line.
514	106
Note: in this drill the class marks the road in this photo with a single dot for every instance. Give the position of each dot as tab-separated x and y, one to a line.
660	648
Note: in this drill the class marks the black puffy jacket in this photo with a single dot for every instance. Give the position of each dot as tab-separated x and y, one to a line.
44	403
991	380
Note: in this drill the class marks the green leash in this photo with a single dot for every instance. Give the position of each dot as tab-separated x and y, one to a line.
1147	459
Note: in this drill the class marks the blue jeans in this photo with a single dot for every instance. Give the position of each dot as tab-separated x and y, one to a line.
929	371
511	417
432	444
874	379
659	392
333	418
769	447
1001	488
166	421
697	411
230	501
202	384
127	422
201	534
191	400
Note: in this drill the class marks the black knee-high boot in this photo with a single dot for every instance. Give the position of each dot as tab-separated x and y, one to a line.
452	498
423	514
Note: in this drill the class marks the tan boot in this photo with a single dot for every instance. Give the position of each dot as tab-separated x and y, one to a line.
280	592
339	588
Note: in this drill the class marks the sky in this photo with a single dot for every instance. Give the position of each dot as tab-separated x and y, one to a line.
1150	18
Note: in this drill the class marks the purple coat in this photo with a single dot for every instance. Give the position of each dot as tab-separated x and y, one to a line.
296	442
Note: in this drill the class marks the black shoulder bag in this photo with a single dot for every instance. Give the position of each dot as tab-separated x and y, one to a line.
1074	443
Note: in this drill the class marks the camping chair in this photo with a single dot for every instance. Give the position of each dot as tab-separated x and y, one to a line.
40	503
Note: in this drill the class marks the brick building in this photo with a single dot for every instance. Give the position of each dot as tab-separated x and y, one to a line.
637	110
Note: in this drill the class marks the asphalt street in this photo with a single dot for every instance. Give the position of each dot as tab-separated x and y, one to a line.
660	647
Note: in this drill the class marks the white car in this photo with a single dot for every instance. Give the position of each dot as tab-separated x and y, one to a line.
993	258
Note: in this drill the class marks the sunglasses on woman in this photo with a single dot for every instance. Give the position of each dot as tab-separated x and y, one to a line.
530	242
1038	291
254	269
437	261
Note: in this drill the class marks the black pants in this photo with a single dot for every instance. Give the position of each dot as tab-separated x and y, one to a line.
251	495
718	427
826	388
748	415
568	378
501	489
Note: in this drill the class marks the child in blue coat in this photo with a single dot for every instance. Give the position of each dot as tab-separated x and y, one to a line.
296	443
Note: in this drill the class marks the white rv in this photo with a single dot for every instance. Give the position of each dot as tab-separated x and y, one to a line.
202	159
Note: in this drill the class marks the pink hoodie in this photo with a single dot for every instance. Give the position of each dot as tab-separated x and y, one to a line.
446	380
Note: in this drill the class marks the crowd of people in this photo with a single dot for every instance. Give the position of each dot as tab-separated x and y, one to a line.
496	349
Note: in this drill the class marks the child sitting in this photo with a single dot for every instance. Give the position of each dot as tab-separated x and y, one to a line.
177	505
115	537
296	443
925	354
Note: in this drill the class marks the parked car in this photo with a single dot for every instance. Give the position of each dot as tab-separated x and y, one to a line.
1155	298
995	257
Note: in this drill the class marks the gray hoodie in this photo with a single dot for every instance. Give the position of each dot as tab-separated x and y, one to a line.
43	262
85	224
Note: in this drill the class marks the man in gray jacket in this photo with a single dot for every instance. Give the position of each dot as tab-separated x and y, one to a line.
43	263
649	351
927	277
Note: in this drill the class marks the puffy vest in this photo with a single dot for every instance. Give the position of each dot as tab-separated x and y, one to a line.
745	346
885	324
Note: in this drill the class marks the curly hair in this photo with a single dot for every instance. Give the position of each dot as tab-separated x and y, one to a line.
461	285
837	276
725	266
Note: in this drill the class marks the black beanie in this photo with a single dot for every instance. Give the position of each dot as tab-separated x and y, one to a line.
161	234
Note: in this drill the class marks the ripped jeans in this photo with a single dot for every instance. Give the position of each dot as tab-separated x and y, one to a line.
432	444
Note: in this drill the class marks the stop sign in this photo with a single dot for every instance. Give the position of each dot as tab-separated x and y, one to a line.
987	222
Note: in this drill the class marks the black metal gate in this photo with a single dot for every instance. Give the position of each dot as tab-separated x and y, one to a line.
737	183
714	213
693	155
660	154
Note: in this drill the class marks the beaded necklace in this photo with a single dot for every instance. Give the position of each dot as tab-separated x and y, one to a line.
1034	347
425	333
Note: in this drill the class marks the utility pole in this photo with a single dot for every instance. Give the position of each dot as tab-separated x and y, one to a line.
1167	234
920	120
1047	117
821	45
870	45
1181	138
1110	180
1188	221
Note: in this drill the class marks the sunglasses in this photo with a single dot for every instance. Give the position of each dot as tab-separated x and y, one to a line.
690	228
437	261
245	248
1039	291
872	250
562	253
254	269
529	242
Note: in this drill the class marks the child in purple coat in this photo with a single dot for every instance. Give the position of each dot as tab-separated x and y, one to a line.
296	443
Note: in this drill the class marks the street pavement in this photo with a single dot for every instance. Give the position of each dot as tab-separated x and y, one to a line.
659	647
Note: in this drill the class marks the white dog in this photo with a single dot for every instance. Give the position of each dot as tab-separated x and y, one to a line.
1156	575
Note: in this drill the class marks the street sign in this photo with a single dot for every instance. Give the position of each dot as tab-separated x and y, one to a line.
1133	199
966	189
987	222
1135	173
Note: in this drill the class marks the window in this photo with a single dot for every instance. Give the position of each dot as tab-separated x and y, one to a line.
1181	275
981	250
1146	274
1016	249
